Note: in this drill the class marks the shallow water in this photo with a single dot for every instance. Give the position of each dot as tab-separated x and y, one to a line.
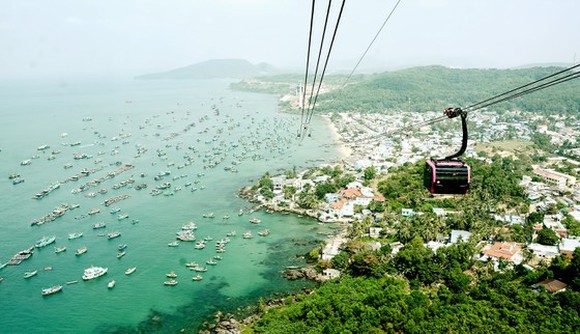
114	121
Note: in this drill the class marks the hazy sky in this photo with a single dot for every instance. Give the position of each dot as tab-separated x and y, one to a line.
127	37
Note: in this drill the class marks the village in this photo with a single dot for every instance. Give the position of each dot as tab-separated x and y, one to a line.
368	153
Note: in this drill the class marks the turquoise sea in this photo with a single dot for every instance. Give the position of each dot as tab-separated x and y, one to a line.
168	131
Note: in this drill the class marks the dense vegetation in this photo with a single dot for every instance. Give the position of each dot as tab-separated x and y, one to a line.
419	290
431	88
498	304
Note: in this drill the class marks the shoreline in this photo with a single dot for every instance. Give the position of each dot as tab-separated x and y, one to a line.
343	150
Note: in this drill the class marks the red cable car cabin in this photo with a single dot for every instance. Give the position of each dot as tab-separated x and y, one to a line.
449	175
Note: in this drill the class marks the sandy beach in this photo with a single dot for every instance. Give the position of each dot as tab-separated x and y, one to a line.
344	151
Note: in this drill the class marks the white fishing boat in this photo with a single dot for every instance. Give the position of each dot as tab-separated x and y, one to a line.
130	270
111	284
94	272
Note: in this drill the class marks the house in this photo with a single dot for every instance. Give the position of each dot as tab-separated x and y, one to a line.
456	234
375	232
331	198
509	251
439	211
551	285
396	247
543	251
567	246
343	208
330	274
407	212
278	184
555	178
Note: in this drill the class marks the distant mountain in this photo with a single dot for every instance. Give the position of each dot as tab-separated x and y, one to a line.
215	69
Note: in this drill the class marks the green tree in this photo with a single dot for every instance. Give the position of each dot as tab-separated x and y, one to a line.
370	173
548	237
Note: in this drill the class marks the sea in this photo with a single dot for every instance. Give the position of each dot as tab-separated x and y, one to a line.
195	144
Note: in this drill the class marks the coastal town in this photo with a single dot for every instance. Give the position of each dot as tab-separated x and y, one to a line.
371	147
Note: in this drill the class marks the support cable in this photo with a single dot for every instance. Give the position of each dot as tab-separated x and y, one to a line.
371	44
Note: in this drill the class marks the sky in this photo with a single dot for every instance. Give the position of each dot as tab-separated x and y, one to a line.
40	38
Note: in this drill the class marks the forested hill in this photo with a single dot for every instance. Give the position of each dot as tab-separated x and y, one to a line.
438	87
429	88
216	68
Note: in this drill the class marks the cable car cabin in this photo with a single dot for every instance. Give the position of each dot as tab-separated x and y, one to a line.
447	176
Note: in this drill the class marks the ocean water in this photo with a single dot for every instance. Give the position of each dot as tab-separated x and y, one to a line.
177	128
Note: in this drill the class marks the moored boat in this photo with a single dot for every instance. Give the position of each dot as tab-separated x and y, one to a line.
99	225
121	246
94	211
113	235
94	272
130	270
75	235
51	290
81	251
171	282
111	284
121	254
45	241
29	274
197	278
173	244
171	274
255	221
59	249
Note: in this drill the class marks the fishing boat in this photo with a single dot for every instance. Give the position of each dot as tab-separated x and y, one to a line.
113	235
130	270
173	244
76	235
115	210
29	274
59	249
81	251
211	262
45	241
123	216
94	211
264	233
247	235
51	290
94	272
171	282
198	269
191	226
255	221
209	215
121	246
171	274
121	254
99	225
111	284
197	278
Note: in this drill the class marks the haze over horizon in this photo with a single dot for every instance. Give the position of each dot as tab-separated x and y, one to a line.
64	38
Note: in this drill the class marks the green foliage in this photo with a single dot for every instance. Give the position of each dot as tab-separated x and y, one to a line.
547	236
370	173
385	304
324	188
437	87
572	225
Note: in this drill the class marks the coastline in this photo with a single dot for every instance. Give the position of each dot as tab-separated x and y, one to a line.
344	150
